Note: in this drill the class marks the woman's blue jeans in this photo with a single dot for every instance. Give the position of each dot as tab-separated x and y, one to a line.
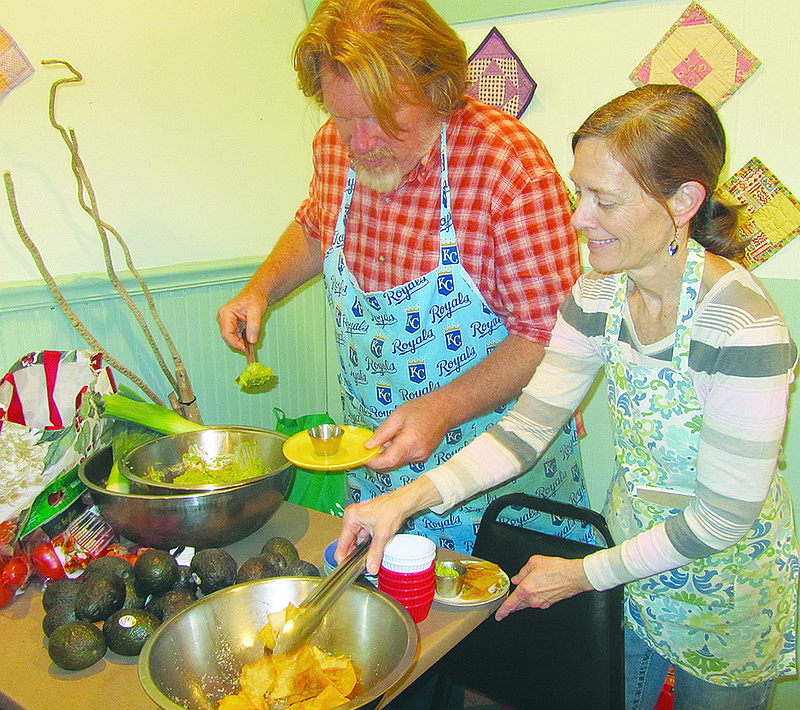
645	672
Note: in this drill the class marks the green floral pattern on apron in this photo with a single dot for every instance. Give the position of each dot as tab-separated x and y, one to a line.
728	618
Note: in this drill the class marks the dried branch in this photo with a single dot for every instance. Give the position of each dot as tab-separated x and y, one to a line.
59	297
185	401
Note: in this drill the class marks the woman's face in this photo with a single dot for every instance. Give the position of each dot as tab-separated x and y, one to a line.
626	229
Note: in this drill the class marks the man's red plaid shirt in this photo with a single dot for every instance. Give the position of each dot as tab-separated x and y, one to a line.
509	206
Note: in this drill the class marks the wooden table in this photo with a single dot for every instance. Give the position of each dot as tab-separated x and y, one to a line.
30	681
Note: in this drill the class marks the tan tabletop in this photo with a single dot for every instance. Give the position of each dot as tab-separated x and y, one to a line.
30	681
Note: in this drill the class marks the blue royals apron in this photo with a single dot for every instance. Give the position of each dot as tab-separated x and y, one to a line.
400	344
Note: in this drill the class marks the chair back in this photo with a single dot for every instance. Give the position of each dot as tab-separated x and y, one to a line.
569	656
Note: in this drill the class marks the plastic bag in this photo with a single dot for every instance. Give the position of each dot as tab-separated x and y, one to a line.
318	490
49	423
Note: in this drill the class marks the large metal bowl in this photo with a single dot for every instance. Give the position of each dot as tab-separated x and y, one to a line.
165	456
203	519
194	658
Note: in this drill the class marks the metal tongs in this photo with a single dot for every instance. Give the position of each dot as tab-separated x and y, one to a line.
312	610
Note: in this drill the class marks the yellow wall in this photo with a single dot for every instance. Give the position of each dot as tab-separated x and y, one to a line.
198	142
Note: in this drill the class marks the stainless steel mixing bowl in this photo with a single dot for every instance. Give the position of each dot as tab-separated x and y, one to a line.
203	519
194	658
212	443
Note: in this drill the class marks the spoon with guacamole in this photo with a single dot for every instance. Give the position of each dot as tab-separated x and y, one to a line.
255	374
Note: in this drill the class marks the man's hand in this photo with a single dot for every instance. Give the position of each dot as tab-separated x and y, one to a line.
410	433
542	582
248	308
295	259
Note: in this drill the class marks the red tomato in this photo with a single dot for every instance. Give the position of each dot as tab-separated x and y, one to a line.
46	562
15	573
6	595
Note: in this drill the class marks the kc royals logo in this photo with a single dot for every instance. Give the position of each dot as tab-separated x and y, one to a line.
449	254
417	372
376	346
384	480
453	437
384	394
353	356
372	299
413	321
417	467
453	339
340	264
356	309
339	317
445	284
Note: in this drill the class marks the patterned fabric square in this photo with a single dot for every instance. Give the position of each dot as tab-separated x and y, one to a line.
771	216
14	65
700	53
498	77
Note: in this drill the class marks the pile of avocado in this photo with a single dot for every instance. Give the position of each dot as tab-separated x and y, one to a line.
116	605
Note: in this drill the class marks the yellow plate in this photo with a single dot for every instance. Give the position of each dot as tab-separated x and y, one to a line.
299	450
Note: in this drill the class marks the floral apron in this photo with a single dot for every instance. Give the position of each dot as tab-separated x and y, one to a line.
400	344
728	618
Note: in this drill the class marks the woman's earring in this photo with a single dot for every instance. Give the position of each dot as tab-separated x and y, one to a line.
674	245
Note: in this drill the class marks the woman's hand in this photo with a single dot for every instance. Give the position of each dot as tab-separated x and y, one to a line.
542	582
381	517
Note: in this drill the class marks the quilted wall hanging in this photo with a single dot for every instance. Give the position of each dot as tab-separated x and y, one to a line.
700	53
498	77
771	213
14	65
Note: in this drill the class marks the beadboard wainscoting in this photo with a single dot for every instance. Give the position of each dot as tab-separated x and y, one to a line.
296	341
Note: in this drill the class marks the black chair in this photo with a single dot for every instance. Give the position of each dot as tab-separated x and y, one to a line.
570	656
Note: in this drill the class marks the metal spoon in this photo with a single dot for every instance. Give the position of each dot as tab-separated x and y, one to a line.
254	375
312	610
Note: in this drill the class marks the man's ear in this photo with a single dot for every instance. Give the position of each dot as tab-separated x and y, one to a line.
685	202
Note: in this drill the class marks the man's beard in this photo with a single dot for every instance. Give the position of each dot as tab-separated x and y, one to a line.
386	178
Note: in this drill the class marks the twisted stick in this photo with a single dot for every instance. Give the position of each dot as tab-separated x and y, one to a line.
185	401
59	297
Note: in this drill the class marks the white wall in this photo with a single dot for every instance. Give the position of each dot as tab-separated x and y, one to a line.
189	120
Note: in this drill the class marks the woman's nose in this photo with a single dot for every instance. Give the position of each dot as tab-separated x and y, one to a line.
580	217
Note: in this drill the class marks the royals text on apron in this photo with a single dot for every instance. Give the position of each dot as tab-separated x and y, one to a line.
400	344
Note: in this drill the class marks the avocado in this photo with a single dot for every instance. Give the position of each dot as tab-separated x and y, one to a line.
134	597
186	580
108	564
258	567
60	592
283	547
99	597
155	572
58	615
277	560
301	568
76	645
214	568
170	603
126	630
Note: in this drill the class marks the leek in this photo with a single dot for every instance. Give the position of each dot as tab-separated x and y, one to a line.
147	414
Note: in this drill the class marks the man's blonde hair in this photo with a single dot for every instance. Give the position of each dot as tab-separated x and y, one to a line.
396	51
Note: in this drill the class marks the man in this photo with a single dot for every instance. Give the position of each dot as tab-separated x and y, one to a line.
442	228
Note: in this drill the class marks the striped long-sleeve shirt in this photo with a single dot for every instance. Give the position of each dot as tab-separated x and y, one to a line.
741	363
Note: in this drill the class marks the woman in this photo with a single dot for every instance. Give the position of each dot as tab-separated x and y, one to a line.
698	364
